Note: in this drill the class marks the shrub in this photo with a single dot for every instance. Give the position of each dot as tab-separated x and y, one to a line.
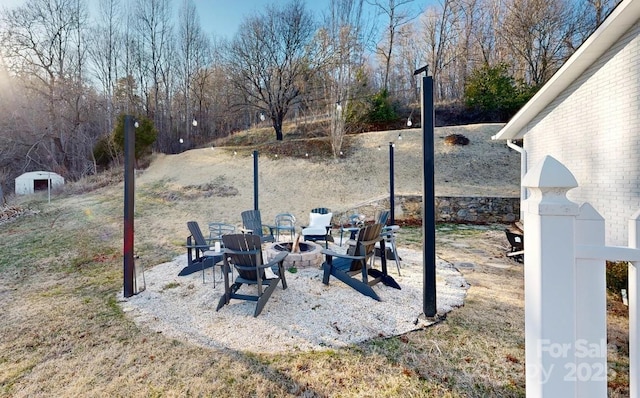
104	151
381	108
146	135
617	276
493	91
456	139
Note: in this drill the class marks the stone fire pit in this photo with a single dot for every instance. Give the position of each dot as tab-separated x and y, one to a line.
308	254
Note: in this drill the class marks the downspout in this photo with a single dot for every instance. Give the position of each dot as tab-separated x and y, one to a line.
523	170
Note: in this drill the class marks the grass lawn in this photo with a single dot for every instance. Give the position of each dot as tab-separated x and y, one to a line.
64	334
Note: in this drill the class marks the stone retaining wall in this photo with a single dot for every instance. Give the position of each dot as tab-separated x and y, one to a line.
452	209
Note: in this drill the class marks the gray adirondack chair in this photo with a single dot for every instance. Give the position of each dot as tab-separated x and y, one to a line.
252	222
355	268
244	253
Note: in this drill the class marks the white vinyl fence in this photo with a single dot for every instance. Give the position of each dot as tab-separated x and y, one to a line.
565	289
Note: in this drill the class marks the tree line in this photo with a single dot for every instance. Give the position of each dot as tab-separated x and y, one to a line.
67	76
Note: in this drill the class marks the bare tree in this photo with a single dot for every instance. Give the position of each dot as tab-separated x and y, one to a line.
440	33
537	32
154	42
410	59
43	41
106	48
193	53
270	56
341	40
397	17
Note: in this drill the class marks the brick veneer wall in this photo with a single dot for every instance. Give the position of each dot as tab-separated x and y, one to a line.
593	128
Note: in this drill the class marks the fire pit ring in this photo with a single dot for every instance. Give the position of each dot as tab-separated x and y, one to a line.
309	254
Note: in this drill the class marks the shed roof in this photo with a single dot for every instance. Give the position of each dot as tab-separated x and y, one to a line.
610	30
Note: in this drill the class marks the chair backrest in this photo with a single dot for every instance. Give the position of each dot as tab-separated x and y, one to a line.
365	244
382	218
285	220
321	210
198	237
251	219
515	240
320	220
250	255
218	229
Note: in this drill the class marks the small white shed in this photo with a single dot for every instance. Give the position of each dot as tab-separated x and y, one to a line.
37	181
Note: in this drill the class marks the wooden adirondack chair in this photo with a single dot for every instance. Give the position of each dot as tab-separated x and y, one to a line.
252	222
354	268
244	253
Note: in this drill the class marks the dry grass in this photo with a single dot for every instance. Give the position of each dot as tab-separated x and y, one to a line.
64	334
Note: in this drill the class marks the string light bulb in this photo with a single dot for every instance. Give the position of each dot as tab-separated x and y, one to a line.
194	123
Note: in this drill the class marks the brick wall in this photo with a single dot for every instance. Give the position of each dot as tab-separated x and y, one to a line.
593	128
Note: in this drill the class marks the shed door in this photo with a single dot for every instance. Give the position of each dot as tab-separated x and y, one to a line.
40	185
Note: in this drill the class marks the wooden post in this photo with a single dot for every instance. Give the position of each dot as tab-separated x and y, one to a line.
550	287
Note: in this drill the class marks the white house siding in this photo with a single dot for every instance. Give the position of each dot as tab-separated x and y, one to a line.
594	129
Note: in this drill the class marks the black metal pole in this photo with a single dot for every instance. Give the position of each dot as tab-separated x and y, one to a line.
392	195
255	180
428	199
129	188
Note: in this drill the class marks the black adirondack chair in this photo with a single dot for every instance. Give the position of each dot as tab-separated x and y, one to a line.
355	268
516	241
199	253
252	222
244	253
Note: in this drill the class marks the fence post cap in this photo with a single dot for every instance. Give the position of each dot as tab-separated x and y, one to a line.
549	173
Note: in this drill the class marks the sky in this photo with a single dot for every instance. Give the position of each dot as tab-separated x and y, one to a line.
222	17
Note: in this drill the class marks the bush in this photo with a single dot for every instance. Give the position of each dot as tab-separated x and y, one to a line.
617	276
494	92
104	151
456	139
381	108
145	133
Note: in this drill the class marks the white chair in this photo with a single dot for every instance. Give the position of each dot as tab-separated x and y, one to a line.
389	235
319	228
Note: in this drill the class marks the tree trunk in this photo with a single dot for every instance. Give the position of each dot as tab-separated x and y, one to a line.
277	126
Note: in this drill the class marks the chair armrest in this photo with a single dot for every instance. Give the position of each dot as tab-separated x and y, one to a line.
389	230
226	250
278	258
198	246
246	231
331	253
